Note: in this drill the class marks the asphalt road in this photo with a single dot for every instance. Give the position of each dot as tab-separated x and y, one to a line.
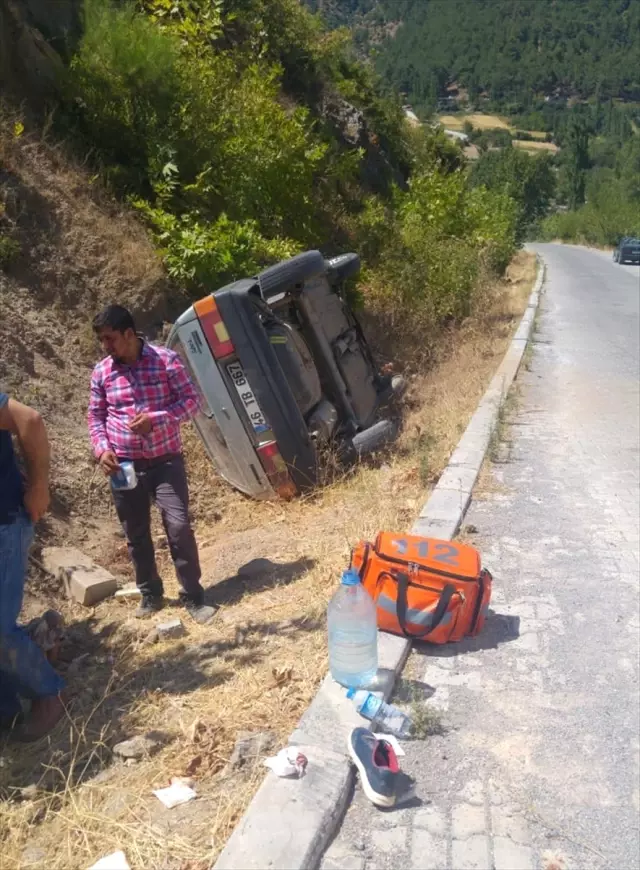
539	763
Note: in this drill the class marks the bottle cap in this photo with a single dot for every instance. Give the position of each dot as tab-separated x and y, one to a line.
350	577
350	693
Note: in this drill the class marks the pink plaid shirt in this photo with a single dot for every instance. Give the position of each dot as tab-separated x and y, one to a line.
158	385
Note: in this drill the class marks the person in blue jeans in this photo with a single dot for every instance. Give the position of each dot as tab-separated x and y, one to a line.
24	669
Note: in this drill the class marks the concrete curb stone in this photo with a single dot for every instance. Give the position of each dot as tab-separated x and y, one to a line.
289	823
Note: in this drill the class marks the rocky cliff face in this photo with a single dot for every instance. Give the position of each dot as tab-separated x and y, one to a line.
35	37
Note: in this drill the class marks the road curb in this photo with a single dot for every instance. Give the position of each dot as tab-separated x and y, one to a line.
289	823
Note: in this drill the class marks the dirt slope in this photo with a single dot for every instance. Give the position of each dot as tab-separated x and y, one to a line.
78	251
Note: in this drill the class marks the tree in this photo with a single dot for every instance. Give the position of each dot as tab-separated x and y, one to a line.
530	181
577	144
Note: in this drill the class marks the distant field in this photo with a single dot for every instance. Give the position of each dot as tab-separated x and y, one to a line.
495	122
535	146
479	121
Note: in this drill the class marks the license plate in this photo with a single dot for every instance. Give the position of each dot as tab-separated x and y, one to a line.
247	397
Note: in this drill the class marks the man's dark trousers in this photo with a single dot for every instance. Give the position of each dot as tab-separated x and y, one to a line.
163	481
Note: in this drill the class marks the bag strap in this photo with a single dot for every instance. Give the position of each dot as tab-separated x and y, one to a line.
401	606
484	577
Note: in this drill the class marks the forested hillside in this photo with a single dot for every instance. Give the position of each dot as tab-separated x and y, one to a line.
510	50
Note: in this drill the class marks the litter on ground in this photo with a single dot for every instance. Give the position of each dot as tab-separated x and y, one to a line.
288	762
175	794
115	861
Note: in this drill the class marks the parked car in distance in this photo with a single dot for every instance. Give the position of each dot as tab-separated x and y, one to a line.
284	371
627	250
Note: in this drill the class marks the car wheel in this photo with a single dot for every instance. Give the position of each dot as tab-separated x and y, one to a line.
373	438
283	276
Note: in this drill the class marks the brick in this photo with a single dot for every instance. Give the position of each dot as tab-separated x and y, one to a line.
511	856
467	820
433	820
393	840
428	852
83	579
508	824
471	854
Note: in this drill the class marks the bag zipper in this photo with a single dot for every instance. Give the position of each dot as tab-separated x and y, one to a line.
419	567
416	585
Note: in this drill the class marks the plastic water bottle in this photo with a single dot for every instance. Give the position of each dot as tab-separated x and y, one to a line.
125	477
353	633
389	719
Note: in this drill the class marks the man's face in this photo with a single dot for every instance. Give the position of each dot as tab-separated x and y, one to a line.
116	344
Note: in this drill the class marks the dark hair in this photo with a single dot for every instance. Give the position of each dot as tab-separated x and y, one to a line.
115	317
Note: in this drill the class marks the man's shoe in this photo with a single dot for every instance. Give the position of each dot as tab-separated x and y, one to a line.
200	613
378	766
150	604
44	716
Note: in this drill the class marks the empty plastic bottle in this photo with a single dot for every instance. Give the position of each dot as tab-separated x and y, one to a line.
353	633
386	717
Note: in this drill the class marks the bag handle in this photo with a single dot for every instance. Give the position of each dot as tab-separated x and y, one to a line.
401	606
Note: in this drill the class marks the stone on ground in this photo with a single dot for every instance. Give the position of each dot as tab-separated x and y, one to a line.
83	579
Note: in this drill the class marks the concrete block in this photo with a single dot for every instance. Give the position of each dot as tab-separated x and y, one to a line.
290	821
511	856
446	504
433	819
470	854
444	529
329	718
83	579
173	628
467	820
506	823
460	478
428	852
390	840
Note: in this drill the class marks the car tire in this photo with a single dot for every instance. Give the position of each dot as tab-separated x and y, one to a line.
286	275
374	438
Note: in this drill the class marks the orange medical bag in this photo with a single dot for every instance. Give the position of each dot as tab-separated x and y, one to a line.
424	588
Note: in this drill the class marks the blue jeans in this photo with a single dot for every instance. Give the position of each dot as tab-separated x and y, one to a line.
24	669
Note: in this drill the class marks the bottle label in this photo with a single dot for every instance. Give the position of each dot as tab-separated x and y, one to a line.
370	706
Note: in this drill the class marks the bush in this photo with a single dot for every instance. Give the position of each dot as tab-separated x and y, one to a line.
205	255
9	250
188	108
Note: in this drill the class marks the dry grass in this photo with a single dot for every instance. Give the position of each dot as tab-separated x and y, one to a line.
478	119
535	146
271	569
537	134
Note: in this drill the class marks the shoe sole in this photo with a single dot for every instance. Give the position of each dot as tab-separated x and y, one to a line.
380	800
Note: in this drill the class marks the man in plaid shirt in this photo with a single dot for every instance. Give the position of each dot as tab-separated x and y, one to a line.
140	394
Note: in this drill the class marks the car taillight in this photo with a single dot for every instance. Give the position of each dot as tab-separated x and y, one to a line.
213	327
276	470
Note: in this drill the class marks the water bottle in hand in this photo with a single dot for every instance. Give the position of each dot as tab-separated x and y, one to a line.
353	633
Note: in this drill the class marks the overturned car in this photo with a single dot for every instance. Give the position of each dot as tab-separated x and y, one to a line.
284	370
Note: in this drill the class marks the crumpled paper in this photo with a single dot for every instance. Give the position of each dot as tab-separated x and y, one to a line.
115	861
179	792
288	762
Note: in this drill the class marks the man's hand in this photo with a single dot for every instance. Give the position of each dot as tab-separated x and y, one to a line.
36	500
109	462
141	424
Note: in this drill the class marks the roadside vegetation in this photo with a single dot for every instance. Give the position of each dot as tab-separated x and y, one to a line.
546	82
243	132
